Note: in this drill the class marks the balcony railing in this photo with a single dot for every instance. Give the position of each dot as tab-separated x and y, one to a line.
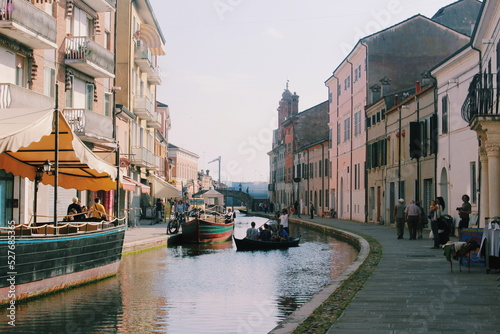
13	96
23	22
155	122
155	77
144	59
89	57
143	108
481	97
142	157
102	5
90	126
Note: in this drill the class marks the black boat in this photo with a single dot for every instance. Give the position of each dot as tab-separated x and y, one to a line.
243	211
251	245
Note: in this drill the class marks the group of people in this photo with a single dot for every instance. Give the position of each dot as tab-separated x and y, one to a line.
415	217
77	211
266	233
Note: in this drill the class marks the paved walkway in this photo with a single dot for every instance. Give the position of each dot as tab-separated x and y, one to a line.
144	236
413	290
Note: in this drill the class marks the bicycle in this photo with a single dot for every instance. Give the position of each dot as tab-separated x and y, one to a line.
174	224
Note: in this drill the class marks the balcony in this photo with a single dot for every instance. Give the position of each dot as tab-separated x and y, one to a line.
143	108
28	24
89	57
155	122
13	96
90	126
482	99
142	157
102	5
144	59
155	78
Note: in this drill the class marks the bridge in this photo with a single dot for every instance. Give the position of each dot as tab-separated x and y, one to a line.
242	196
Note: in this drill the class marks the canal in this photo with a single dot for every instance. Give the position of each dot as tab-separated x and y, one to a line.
193	289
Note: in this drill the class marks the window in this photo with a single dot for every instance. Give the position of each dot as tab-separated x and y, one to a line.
444	118
108	104
320	169
338	133
347	82
347	128
357	123
21	71
339	90
326	167
89	96
69	93
473	184
49	81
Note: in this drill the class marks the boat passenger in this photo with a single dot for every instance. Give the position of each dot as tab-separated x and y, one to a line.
284	219
252	232
71	215
74	206
229	216
282	234
265	234
97	210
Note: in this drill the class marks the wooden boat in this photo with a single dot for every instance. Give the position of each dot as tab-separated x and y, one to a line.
56	260
251	245
36	257
207	229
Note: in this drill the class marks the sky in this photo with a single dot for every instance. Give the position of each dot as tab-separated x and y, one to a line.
229	61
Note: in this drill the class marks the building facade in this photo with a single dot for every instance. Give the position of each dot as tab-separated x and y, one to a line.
380	64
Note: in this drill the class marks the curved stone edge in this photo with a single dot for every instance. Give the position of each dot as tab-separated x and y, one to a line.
300	315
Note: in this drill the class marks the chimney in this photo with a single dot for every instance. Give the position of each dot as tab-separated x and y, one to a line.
418	87
396	99
208	171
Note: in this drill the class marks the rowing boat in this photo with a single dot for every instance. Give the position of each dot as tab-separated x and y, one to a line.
250	245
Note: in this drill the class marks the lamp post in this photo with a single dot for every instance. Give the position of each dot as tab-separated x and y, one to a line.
45	168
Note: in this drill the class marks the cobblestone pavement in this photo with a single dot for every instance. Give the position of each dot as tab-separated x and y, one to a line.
412	290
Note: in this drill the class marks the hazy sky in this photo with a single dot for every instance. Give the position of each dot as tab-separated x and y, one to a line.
228	62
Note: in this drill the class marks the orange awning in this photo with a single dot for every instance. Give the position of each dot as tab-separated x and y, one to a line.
27	140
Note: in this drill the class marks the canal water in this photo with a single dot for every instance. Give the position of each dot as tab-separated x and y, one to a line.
193	289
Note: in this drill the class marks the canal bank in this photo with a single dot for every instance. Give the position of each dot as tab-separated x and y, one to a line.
145	237
402	286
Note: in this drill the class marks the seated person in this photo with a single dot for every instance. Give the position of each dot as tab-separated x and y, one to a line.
252	232
282	235
71	216
265	234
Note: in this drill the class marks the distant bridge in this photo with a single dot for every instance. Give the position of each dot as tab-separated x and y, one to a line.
242	196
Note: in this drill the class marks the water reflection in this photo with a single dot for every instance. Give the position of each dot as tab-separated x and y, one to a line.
194	289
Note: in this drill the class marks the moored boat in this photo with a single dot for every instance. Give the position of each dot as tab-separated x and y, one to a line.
243	211
36	257
251	245
206	230
39	260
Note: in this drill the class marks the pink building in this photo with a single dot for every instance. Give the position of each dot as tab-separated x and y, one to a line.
379	64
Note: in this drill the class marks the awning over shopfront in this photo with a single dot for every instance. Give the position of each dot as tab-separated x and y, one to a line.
27	140
130	184
162	189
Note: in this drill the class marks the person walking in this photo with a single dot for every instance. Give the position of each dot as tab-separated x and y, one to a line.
296	208
311	209
412	215
422	222
436	210
464	212
399	216
159	212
